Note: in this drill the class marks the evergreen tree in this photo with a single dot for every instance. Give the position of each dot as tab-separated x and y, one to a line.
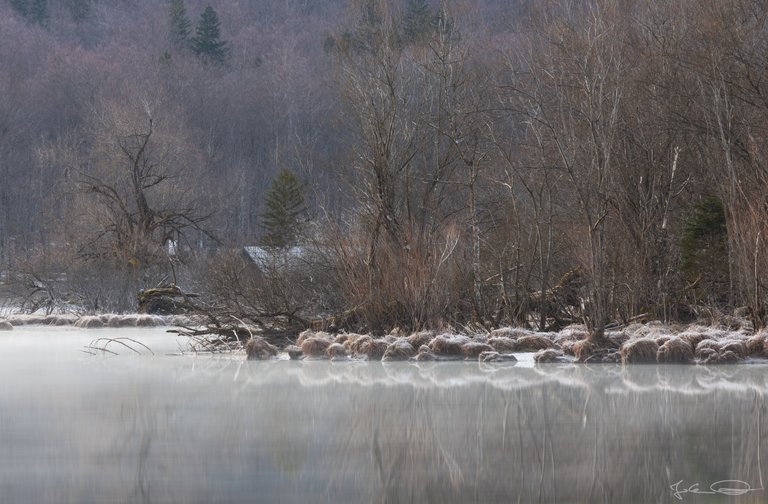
79	10
207	43
286	206
418	22
34	11
179	24
20	6
37	12
704	246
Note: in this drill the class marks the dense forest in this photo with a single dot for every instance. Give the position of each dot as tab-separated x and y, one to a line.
408	164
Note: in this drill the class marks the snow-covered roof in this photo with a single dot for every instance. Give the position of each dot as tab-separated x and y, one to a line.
266	257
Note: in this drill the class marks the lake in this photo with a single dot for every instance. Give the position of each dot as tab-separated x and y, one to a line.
165	428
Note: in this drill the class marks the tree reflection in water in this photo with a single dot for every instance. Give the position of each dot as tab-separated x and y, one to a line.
177	429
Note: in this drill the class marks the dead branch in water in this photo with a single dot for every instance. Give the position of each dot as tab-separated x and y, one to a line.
101	344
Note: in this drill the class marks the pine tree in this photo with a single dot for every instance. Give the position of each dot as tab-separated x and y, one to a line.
207	43
179	25
418	21
37	12
79	10
704	246
286	206
20	6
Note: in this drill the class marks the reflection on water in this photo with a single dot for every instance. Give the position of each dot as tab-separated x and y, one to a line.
181	429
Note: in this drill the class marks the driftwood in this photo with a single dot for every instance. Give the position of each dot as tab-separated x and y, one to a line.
102	344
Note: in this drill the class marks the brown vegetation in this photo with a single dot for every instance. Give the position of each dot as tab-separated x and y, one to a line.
473	349
449	344
399	350
258	349
374	349
420	338
503	344
336	350
548	355
639	351
533	343
756	345
294	352
546	170
315	346
675	350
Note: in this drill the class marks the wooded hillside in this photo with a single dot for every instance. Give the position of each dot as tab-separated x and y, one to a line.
437	162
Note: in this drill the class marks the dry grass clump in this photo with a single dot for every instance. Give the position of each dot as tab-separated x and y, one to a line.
448	344
510	332
473	349
693	337
707	344
336	350
259	349
660	340
149	321
534	343
617	338
5	325
711	356
737	347
710	351
356	345
390	338
304	335
567	347
341	338
675	350
548	355
398	351
315	346
496	357
502	344
420	338
639	351
425	354
294	352
728	357
59	320
583	349
117	321
374	349
89	322
756	345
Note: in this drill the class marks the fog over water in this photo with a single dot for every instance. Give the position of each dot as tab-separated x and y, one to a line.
140	428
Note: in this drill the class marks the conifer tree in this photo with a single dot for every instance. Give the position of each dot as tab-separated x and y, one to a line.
20	6
37	12
286	206
79	10
207	43
418	21
34	11
179	25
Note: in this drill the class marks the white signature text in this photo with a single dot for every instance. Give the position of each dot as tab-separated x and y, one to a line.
722	487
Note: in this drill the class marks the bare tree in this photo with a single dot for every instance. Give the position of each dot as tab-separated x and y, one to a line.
128	181
573	86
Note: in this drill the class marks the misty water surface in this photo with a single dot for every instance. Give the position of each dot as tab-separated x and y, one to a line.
81	429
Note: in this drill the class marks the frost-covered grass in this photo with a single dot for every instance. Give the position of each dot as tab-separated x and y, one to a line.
653	342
